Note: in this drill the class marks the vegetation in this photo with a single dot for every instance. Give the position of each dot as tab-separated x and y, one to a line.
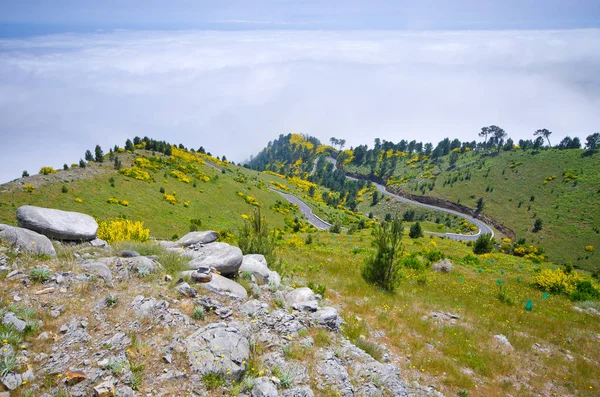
383	267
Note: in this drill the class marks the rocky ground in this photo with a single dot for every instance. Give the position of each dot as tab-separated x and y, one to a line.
91	320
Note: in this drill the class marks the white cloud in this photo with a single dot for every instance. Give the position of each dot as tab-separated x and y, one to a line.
232	92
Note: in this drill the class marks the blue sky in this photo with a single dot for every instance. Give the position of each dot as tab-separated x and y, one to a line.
233	77
35	16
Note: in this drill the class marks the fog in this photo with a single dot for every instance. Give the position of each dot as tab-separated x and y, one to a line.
232	92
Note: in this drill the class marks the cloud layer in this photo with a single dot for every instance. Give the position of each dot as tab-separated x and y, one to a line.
232	92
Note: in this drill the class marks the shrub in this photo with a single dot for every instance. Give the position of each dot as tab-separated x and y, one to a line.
82	163
195	224
47	170
415	230
212	380
25	174
590	248
122	230
443	266
111	300
136	173
78	200
198	313
317	288
383	268
412	262
170	198
29	188
557	281
585	291
336	228
254	237
40	274
537	226
65	189
484	244
65	167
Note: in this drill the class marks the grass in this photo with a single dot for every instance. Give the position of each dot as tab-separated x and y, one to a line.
8	363
213	380
469	293
40	274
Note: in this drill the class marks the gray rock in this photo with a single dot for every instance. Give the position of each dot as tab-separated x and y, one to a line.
129	254
332	371
300	295
57	224
98	242
26	240
257	257
11	381
226	287
226	258
191	238
218	348
274	279
253	307
303	391
143	264
328	317
97	268
201	276
308	306
186	290
11	318
264	387
260	271
28	376
503	342
144	307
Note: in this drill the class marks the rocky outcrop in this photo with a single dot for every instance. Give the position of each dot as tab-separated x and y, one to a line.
226	287
57	224
26	240
219	349
192	238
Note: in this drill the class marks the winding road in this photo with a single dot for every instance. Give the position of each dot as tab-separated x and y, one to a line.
322	225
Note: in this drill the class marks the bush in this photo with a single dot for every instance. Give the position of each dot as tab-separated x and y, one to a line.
82	163
537	226
415	230
195	225
557	281
317	288
336	228
122	230
65	189
198	313
47	170
484	244
29	188
383	268
585	291
412	262
25	174
40	274
254	237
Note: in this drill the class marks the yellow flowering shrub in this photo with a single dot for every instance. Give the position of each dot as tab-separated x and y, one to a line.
557	281
121	230
74	165
295	241
590	248
170	198
180	176
29	188
279	185
124	203
121	150
143	162
78	200
47	170
136	173
186	203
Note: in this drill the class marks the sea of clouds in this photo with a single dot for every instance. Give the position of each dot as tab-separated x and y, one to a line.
232	92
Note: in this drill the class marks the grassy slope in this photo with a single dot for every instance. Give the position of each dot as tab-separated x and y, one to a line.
215	202
464	356
569	210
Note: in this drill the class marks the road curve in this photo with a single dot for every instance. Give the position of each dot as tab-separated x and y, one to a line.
306	210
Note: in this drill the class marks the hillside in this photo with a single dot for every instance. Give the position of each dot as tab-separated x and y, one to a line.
557	188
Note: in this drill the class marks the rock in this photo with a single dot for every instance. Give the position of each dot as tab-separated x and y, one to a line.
274	279
74	377
226	287
200	277
264	387
257	257
17	323
186	290
104	389
504	343
260	271
11	380
300	295
45	291
98	269
99	243
168	278
125	391
191	238
144	307
26	240
218	348
143	264
57	224
303	391
253	307
118	341
328	317
28	376
308	306
225	258
129	254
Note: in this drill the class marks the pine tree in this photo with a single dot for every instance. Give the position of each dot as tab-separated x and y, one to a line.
99	154
416	230
383	268
88	156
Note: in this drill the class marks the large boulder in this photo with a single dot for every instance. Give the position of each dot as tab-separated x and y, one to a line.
226	287
220	349
259	270
57	224
226	258
26	240
264	387
300	295
191	238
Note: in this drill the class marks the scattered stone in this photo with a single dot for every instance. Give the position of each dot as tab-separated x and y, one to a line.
143	264
259	270
218	348
11	380
443	317
97	268
328	317
186	290
264	387
197	238
57	224
55	313
168	278
18	324
28	376
99	243
226	287
201	276
44	291
300	295
104	389
309	306
129	254
226	258
257	257
26	240
504	343
74	377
